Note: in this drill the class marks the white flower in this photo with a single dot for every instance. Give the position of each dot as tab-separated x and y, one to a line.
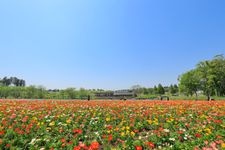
181	129
172	139
166	130
32	141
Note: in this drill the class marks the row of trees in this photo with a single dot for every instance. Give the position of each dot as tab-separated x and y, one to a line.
39	92
13	87
12	81
208	78
156	90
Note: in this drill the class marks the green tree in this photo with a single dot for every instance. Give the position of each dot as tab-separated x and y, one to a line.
208	76
161	89
173	89
155	90
71	93
189	83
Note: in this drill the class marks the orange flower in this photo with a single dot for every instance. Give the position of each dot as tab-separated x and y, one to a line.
110	137
77	148
2	133
94	146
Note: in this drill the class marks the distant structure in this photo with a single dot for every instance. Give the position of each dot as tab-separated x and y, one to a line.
124	94
104	94
118	94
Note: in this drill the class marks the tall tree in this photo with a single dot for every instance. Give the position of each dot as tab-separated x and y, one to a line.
155	90
161	89
189	83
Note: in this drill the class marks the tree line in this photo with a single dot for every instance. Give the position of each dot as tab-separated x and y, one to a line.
152	92
39	92
12	81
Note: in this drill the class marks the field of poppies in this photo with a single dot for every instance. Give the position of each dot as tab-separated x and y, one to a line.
93	125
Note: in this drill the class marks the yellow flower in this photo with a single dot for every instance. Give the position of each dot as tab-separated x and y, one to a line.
48	128
40	123
149	121
170	120
107	119
123	128
52	123
127	127
208	131
223	145
155	121
132	133
122	133
68	121
34	118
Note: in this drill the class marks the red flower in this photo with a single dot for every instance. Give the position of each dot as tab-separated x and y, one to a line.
77	148
63	140
197	135
94	146
13	116
25	119
218	121
77	131
7	146
150	144
2	133
109	127
110	137
138	147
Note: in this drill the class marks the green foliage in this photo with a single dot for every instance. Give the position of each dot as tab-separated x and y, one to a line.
39	92
190	83
12	81
161	89
173	89
208	76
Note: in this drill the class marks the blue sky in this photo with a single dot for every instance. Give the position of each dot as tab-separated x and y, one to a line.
111	44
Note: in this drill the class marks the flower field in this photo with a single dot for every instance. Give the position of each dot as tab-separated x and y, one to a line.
93	125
